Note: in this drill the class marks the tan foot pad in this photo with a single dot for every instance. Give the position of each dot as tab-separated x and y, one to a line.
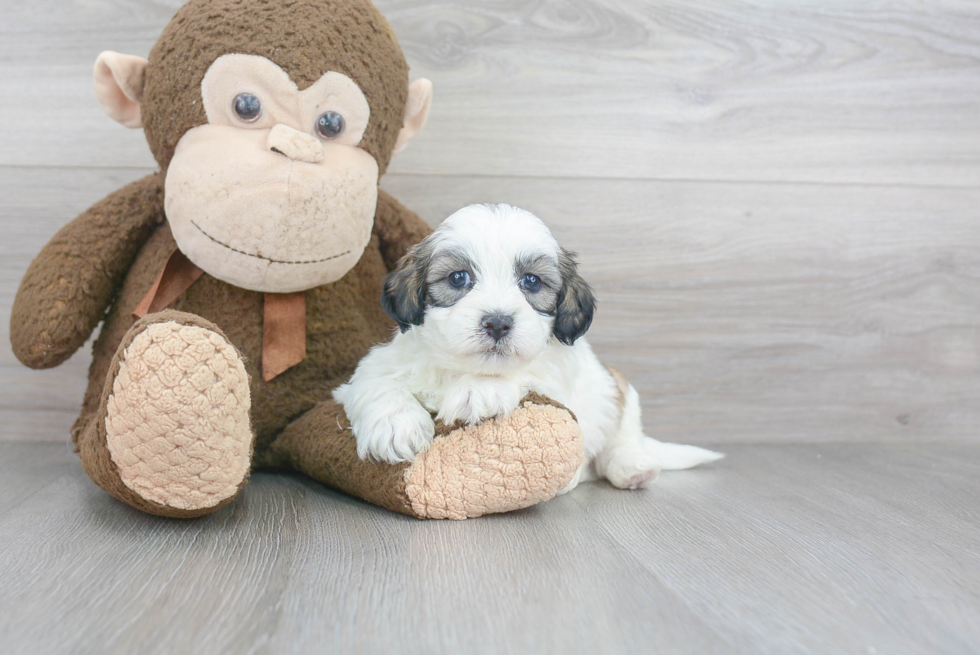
497	466
177	422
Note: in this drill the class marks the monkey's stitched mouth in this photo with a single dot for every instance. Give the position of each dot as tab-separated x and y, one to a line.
268	259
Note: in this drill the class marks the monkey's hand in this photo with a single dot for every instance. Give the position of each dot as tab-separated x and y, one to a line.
69	285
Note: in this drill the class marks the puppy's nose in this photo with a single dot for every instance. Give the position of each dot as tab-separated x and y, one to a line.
294	144
497	325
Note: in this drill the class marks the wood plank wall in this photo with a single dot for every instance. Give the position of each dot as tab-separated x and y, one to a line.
778	202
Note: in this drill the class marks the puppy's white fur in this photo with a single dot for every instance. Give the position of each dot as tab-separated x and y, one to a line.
444	361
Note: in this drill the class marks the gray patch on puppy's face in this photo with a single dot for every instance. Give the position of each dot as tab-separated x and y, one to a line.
441	293
546	269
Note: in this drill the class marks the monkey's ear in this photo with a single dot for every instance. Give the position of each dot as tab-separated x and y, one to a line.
403	297
119	86
416	112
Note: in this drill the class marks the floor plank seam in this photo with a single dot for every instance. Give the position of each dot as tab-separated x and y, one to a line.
574	178
623	552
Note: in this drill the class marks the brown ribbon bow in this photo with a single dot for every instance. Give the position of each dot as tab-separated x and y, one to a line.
283	316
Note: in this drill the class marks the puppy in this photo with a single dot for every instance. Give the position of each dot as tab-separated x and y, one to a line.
491	307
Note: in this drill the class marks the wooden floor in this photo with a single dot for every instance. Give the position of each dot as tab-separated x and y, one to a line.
777	549
778	203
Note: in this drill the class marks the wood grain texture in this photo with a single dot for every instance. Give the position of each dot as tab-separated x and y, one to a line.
741	312
778	549
835	548
778	205
849	92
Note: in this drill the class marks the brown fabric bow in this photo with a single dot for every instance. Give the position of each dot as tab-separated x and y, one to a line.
283	318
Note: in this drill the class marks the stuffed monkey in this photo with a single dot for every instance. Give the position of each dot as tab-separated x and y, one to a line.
240	284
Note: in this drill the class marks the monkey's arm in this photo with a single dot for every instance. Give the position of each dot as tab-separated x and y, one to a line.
68	286
398	229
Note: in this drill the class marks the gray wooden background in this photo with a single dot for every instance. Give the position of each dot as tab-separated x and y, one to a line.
778	202
779	205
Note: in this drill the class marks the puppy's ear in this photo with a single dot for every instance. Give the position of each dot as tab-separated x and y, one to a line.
403	297
576	302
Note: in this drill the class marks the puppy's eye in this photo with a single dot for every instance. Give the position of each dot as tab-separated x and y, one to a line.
248	107
531	283
459	279
330	125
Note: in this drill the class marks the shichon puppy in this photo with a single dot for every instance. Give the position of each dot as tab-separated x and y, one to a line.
490	307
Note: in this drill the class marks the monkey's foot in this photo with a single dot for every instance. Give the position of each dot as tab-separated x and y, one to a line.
177	417
497	466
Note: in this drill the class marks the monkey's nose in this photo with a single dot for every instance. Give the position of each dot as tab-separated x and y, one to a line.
295	144
497	325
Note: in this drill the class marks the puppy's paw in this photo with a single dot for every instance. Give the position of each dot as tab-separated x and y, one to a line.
632	468
393	435
580	476
473	401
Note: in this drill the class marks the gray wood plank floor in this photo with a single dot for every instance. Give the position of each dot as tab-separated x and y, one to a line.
777	549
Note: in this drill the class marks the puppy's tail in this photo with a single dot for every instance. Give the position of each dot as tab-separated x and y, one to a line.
675	456
672	456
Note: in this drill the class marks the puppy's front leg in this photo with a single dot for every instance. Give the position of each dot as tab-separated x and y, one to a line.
473	399
389	424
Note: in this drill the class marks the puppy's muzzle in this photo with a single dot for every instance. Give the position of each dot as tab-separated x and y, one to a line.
497	326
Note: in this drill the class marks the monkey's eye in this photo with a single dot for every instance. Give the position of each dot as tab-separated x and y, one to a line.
330	125
248	107
459	279
530	283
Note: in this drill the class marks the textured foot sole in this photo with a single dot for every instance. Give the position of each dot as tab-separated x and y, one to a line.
177	421
497	466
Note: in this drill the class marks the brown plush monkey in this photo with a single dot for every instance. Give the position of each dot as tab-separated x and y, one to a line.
255	258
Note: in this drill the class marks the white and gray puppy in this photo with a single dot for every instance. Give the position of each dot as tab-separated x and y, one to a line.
491	307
